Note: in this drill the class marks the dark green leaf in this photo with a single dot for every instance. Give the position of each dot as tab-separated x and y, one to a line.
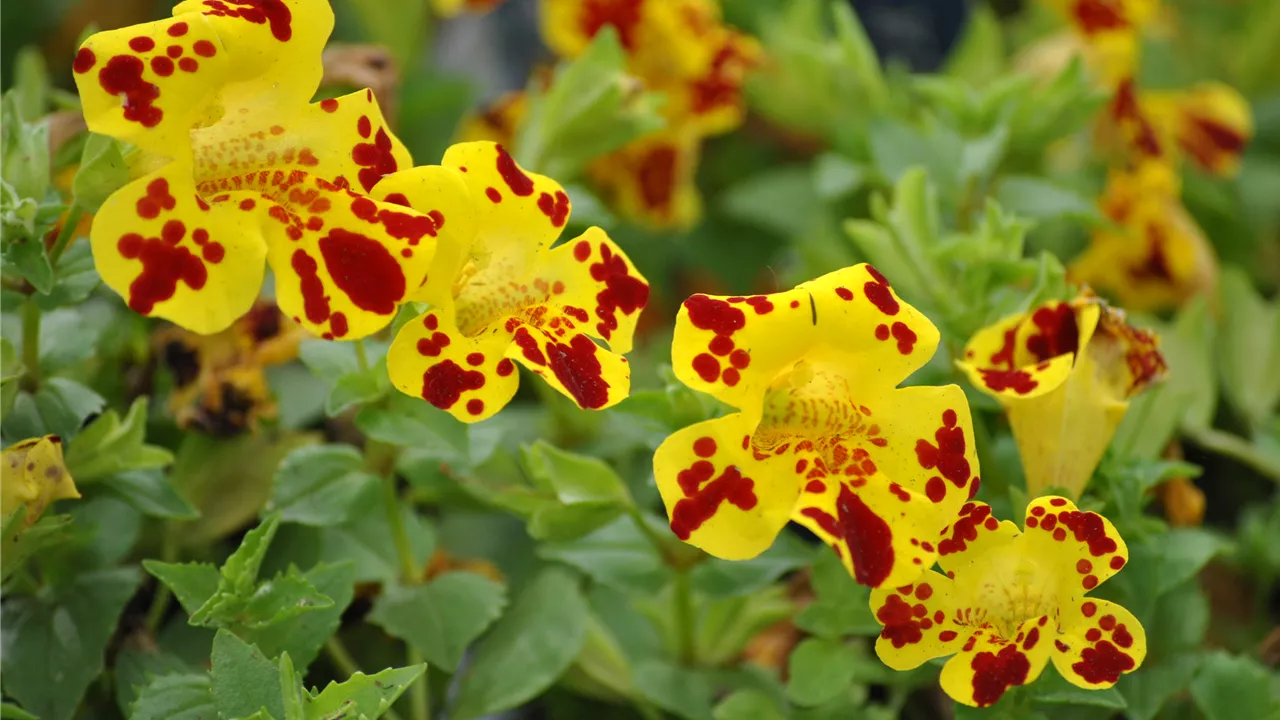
1229	687
319	484
367	696
841	606
192	583
617	555
73	280
59	407
415	423
723	578
820	670
442	617
528	649
304	634
1147	691
748	705
102	171
47	532
151	493
682	691
185	696
13	712
1052	689
243	681
135	669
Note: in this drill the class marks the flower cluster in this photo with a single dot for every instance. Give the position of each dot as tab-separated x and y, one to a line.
1155	256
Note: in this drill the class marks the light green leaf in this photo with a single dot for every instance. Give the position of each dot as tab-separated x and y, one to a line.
1147	691
192	583
304	634
9	711
102	171
617	555
135	669
243	680
442	618
748	705
841	607
22	544
1249	350
183	696
151	493
319	484
573	478
820	670
410	422
367	696
682	691
1042	199
111	445
724	578
1229	687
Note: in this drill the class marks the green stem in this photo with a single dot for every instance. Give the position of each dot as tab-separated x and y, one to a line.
362	356
409	571
65	234
1237	449
342	660
31	344
160	602
419	692
684	617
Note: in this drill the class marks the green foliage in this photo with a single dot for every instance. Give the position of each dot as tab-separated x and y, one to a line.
443	617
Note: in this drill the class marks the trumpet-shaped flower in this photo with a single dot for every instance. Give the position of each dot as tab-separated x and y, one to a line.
823	435
1011	600
1110	31
1209	123
1064	372
33	473
501	294
235	166
1154	256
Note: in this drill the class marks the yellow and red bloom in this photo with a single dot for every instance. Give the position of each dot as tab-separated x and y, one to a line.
1110	31
1011	600
33	473
1154	256
651	181
235	166
1064	372
500	294
1209	123
823	435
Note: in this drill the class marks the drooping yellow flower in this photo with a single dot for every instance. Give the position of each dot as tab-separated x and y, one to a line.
219	384
235	166
1110	31
500	293
823	435
1064	372
1012	600
33	473
1155	256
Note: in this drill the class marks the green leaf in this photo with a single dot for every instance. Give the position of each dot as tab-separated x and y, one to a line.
304	634
73	280
776	200
682	691
184	696
1249	350
338	365
397	25
617	555
1042	199
442	618
54	642
979	54
820	670
1229	687
25	165
1178	555
1052	689
13	712
1147	691
365	541
529	648
411	422
723	578
191	583
243	680
573	478
291	690
319	484
590	108
748	705
102	171
836	177
59	407
22	544
367	696
284	597
841	606
151	493
135	669
240	571
111	445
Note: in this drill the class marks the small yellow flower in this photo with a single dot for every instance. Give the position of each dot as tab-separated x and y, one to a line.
1154	256
1209	123
235	165
1182	501
498	122
823	435
1110	31
32	473
1011	600
651	181
1064	372
500	293
219	384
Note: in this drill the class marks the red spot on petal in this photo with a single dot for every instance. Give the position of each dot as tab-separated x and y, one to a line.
275	13
622	292
1102	664
1117	562
177	29
731	377
936	489
1019	381
376	159
329	105
707	367
704	447
877	291
364	270
844	293
475	406
444	383
141	44
905	336
556	208
506	367
204	48
493	195
475	358
700	504
162	66
721	345
882	332
187	64
948	456
520	184
122	76
994	673
84	62
164	265
582	251
315	302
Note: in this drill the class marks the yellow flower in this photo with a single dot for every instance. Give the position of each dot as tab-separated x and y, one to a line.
1110	30
497	123
1155	256
1209	123
823	435
500	293
1065	373
219	384
236	166
1010	600
453	8
32	473
651	180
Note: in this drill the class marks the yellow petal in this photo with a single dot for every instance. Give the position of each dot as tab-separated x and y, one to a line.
172	255
471	378
33	473
592	273
1098	642
711	102
974	533
1211	123
919	620
994	363
555	349
721	494
1082	548
989	665
926	445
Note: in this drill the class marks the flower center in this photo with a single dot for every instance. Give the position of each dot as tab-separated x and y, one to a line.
1011	589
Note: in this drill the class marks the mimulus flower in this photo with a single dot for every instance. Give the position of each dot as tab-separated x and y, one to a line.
500	293
1209	123
1154	256
1012	600
823	435
651	180
1064	372
1110	30
235	166
33	473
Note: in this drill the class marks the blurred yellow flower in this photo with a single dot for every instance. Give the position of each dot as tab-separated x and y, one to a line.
1011	600
823	435
651	180
1209	123
1110	31
237	166
500	294
1064	372
32	473
1154	256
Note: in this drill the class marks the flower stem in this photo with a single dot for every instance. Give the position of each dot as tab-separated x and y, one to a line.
31	344
1238	449
74	213
419	692
409	572
683	592
160	601
362	356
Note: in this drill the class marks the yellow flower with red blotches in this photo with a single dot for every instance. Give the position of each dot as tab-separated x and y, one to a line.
1154	256
237	166
1110	32
652	179
1209	123
1064	372
1011	600
500	294
823	435
33	473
